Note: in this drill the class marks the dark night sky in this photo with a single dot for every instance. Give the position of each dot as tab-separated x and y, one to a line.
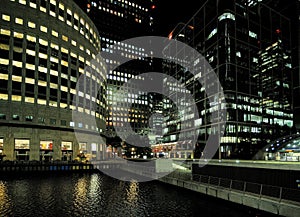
169	13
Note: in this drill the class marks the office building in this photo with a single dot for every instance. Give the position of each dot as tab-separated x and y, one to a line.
45	47
248	44
117	21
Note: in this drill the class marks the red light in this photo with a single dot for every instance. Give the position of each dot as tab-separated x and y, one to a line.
153	6
88	5
278	31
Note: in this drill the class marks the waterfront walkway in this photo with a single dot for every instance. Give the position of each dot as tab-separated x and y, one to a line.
273	199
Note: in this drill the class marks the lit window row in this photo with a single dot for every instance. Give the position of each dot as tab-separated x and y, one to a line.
65	15
122	44
43	29
111	11
133	4
123	3
45	56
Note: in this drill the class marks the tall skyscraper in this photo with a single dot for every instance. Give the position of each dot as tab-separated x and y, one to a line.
117	21
248	44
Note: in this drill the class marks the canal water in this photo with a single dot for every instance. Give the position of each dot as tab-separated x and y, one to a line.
95	194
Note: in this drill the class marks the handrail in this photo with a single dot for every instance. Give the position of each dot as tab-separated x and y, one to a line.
262	190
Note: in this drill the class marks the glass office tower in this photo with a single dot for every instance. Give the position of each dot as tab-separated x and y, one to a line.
248	44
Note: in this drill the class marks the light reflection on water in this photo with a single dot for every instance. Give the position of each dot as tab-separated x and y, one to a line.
99	195
5	202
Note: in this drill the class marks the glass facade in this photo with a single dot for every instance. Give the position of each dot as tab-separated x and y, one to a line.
248	45
286	148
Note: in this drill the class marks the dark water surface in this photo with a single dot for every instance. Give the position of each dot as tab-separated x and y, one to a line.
95	194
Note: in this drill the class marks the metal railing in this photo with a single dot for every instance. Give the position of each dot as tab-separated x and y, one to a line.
262	190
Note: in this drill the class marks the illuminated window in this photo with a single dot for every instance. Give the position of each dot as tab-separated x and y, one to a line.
73	55
31	38
54	46
64	50
53	86
4	96
31	25
17	64
83	146
30	66
23	2
64	63
4	61
54	33
5	17
74	43
15	117
22	143
65	38
29	99
66	145
18	35
43	29
43	9
43	42
19	21
53	59
42	102
5	32
29	118
46	145
94	147
43	56
52	72
16	78
32	4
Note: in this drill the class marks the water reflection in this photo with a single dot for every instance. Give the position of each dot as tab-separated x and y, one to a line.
80	192
5	201
99	195
95	186
132	192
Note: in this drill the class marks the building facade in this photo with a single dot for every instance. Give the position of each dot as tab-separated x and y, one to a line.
248	44
45	47
118	21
